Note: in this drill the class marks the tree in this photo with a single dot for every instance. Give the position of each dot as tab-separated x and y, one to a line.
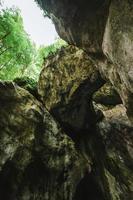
19	56
16	49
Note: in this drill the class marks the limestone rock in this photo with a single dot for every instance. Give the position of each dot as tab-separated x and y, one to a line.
66	85
79	22
28	84
118	47
104	29
107	96
20	114
117	136
37	160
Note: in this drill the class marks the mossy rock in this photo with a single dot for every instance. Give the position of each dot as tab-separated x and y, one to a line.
107	96
28	84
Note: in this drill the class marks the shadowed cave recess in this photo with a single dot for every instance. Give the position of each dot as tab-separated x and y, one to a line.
73	139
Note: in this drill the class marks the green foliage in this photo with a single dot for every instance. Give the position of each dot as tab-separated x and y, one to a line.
45	51
19	57
16	49
27	83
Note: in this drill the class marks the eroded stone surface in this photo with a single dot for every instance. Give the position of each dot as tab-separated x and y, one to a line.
79	22
100	27
118	47
108	143
37	160
117	135
107	96
66	85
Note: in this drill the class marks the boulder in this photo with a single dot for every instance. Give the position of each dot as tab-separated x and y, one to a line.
37	160
66	85
28	84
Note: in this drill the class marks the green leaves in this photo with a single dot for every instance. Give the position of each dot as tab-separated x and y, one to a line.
16	49
45	51
19	56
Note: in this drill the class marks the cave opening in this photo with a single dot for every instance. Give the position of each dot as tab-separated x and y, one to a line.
88	189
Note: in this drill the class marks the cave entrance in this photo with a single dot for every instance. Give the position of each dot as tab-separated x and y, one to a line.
88	189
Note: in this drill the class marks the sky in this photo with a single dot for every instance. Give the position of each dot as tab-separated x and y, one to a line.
40	29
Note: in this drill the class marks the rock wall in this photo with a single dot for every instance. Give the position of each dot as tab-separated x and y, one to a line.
104	29
37	160
66	85
85	151
92	114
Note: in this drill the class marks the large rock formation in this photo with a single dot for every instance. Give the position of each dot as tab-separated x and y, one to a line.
116	134
37	160
118	48
103	28
66	85
79	22
72	81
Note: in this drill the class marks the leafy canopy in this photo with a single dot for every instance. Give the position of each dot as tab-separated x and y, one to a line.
19	56
16	49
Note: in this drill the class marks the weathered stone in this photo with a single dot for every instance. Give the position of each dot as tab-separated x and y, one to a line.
28	84
118	47
117	136
37	160
111	151
100	27
107	96
66	85
79	22
109	143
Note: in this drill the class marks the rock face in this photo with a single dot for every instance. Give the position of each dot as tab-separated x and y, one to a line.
37	160
79	22
111	150
104	30
118	47
107	96
116	134
89	156
104	137
66	85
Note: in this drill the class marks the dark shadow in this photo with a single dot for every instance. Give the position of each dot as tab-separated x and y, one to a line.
88	189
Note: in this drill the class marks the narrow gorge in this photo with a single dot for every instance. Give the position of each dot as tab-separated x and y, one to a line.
71	138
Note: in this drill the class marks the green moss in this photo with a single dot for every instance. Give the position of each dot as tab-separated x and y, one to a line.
107	96
28	84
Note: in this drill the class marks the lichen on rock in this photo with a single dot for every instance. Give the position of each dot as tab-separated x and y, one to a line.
37	160
66	85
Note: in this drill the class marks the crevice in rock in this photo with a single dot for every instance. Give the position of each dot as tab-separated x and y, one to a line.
88	189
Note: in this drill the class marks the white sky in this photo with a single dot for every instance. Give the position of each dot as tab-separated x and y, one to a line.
40	29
